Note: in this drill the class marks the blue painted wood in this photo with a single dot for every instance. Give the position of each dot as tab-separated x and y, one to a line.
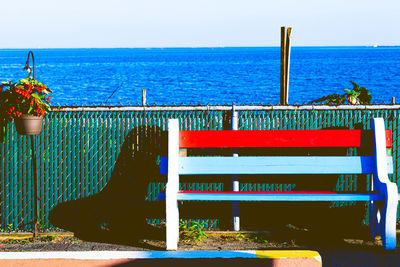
275	165
279	197
243	196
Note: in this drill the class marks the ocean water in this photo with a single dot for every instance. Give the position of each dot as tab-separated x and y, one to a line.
205	75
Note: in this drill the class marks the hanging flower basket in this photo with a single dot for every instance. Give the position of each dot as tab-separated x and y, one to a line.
24	101
28	124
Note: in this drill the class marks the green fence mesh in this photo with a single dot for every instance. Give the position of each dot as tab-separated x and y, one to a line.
94	153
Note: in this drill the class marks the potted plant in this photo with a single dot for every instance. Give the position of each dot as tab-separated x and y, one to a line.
24	101
358	95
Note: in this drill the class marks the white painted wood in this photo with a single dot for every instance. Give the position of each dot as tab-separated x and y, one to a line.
383	215
172	188
208	165
235	178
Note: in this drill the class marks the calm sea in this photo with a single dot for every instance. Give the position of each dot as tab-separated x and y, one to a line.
205	75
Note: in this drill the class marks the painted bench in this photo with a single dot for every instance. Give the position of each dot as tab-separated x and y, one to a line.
383	196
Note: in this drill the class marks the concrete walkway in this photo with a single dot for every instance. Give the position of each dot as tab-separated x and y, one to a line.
162	258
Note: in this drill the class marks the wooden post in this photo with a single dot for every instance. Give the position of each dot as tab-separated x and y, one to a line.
285	59
283	64
144	97
235	178
393	100
287	62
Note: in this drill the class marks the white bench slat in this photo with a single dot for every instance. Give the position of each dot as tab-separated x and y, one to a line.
276	165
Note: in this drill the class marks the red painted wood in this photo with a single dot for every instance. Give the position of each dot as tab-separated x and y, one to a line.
389	140
279	138
256	192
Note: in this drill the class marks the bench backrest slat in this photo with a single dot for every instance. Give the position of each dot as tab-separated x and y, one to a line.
275	165
278	138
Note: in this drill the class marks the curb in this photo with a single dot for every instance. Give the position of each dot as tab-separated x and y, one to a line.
203	254
109	258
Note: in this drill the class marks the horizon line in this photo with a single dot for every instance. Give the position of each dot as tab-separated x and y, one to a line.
210	47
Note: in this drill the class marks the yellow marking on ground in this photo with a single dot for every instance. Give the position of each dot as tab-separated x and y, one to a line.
279	254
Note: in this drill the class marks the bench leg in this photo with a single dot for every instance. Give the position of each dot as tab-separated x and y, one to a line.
172	220
383	217
384	214
387	225
172	212
374	217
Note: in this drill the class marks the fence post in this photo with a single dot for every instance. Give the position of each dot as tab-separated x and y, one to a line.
144	97
235	178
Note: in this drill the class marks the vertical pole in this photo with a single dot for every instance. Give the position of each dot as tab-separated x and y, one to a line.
144	97
283	66
35	187
287	62
235	178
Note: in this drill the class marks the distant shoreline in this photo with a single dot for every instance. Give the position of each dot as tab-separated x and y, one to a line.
204	47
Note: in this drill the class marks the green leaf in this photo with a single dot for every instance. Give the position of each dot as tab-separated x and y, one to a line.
45	104
36	96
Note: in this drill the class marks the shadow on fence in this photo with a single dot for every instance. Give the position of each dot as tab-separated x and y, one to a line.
118	213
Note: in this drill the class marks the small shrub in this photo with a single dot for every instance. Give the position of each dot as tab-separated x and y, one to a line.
194	232
358	95
10	227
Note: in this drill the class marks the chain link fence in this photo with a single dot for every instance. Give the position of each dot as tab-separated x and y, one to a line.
110	156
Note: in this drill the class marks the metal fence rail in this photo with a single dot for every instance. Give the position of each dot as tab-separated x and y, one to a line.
82	151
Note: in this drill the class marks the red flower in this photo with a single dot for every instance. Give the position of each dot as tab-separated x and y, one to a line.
28	87
40	88
48	99
23	93
10	111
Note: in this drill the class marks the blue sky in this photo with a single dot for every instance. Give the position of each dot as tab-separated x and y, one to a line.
196	23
